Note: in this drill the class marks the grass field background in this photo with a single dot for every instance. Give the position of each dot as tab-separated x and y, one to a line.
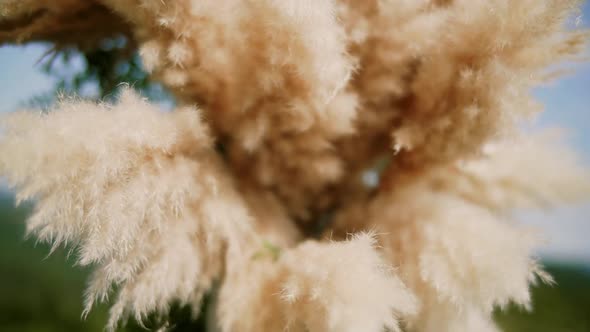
40	293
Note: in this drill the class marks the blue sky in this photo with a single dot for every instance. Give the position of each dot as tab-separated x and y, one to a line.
567	106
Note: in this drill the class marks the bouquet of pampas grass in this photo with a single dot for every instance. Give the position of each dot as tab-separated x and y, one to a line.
332	165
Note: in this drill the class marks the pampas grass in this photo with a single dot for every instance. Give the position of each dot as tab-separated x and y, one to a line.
305	97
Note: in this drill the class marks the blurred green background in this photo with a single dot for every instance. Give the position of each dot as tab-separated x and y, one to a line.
40	293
